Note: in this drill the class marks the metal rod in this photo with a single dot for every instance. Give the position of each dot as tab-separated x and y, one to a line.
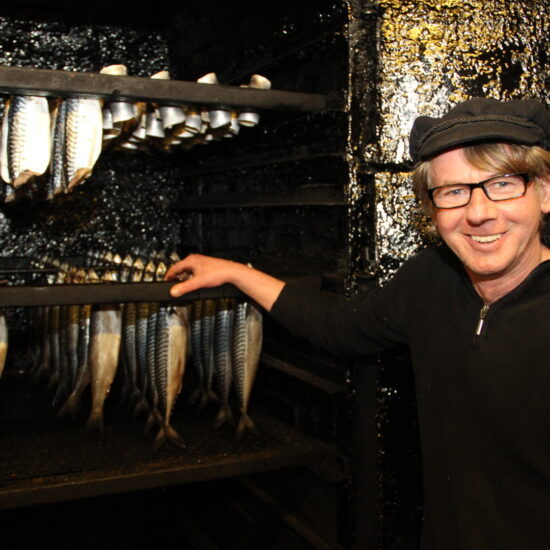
303	375
315	196
20	80
106	293
262	159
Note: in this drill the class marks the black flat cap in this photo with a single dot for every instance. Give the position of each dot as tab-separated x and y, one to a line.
521	121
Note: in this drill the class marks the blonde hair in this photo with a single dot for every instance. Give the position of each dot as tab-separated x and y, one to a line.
504	158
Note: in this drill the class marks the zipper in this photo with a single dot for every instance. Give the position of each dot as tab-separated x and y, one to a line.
482	315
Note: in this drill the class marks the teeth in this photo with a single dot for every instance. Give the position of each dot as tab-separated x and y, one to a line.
486	238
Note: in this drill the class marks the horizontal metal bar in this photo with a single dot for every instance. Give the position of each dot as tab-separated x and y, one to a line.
301	374
106	293
291	154
315	196
20	80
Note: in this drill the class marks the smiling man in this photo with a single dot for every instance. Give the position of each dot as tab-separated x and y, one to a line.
474	313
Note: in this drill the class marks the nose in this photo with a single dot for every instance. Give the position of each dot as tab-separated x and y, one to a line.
480	208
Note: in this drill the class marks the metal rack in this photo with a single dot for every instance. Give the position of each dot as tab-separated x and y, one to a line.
50	83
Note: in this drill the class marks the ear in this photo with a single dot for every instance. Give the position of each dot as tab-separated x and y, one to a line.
545	194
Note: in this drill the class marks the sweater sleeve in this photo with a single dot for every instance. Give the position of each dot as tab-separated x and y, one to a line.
363	325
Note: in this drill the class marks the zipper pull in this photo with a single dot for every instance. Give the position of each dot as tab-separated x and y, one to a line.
482	315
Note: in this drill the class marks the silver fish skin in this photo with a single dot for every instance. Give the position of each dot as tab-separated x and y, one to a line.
3	341
223	331
82	380
57	181
142	318
196	349
247	347
173	339
83	377
207	350
106	324
84	129
25	144
129	343
156	272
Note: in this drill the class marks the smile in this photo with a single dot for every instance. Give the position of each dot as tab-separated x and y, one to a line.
486	238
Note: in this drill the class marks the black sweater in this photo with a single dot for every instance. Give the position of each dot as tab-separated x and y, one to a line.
483	399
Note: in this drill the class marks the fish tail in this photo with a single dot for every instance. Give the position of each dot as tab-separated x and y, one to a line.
195	396
224	415
141	407
159	439
245	423
168	432
154	417
70	406
95	421
59	395
53	382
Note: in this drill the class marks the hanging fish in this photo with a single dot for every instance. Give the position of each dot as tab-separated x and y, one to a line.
54	320
82	379
196	350
207	350
84	129
104	355
247	346
57	181
142	317
129	344
25	144
152	319
172	353
223	330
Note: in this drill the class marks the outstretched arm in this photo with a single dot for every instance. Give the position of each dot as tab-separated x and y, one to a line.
197	271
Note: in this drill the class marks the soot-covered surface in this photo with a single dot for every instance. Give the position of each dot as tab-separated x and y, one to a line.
45	459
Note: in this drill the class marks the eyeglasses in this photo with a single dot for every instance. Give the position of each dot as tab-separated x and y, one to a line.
497	188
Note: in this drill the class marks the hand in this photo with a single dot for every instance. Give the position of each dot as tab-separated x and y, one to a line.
197	271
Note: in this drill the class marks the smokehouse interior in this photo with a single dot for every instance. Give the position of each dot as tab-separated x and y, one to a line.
269	133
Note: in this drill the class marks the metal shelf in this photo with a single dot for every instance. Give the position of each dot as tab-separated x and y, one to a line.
105	293
25	81
44	460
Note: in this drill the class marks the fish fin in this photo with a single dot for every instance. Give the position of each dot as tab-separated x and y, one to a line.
168	432
154	417
70	406
245	423
224	415
23	178
204	400
59	395
195	396
80	175
95	422
141	407
160	439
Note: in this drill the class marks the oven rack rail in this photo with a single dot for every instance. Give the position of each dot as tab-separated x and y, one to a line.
106	293
55	83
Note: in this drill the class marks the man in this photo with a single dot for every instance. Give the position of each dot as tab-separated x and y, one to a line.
474	313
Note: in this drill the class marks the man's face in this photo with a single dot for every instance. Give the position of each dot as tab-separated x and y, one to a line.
494	240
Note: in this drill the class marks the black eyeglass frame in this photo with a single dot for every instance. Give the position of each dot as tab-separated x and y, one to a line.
481	185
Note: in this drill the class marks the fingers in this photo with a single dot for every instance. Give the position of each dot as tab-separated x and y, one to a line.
182	288
182	267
